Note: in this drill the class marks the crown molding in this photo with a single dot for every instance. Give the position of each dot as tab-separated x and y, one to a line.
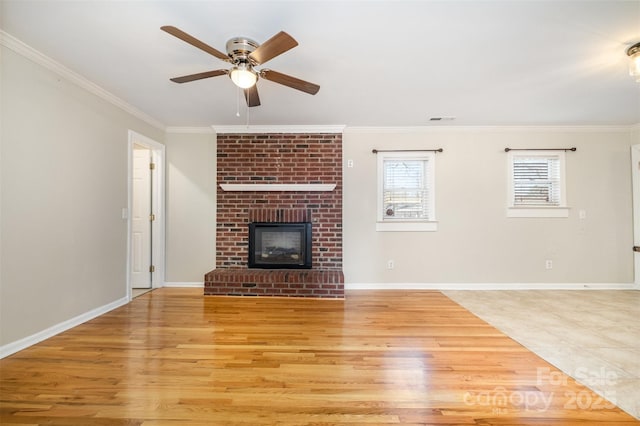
39	58
279	129
492	129
191	130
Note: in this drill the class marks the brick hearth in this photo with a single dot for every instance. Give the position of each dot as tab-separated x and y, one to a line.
275	282
281	159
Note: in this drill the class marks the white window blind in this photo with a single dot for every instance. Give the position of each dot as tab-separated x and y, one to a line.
406	189
537	181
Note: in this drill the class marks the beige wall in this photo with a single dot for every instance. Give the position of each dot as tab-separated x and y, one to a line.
476	242
63	187
63	169
191	211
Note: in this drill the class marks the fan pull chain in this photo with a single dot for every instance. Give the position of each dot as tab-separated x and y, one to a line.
247	109
237	101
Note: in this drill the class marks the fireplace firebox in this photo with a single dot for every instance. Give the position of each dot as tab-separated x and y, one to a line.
280	245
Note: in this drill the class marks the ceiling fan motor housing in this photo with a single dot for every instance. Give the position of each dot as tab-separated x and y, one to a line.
239	48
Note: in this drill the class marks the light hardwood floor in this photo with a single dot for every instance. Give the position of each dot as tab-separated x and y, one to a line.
137	292
174	357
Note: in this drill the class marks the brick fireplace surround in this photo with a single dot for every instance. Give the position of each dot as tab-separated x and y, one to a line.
281	158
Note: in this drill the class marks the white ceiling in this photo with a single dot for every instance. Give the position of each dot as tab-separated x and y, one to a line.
379	63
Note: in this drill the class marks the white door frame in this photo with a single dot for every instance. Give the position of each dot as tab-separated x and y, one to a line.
635	178
158	207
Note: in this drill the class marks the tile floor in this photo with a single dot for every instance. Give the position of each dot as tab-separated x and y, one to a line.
592	336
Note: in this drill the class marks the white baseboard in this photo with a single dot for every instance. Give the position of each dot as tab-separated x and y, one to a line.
491	286
18	345
184	284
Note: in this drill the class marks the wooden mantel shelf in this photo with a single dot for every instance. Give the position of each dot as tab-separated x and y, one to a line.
278	186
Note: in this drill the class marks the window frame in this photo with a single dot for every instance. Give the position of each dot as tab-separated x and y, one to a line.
561	210
399	225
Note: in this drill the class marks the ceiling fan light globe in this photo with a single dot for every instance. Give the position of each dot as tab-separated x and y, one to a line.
634	61
634	67
243	78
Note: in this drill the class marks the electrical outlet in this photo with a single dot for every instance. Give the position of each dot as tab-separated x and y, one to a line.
349	163
548	264
390	264
582	214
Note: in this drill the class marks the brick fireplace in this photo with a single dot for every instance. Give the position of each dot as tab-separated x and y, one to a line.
302	162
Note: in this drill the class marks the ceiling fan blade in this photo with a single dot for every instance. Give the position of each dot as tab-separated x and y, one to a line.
251	95
276	45
287	80
195	42
199	76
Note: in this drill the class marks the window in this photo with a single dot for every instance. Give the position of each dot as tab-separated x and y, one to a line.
406	191
537	184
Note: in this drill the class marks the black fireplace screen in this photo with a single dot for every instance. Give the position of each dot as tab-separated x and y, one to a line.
280	245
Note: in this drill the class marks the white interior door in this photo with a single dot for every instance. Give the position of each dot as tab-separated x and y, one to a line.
635	175
141	223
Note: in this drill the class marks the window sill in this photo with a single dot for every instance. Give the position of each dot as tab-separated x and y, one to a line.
406	226
538	212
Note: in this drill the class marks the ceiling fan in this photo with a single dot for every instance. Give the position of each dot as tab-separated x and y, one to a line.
245	54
